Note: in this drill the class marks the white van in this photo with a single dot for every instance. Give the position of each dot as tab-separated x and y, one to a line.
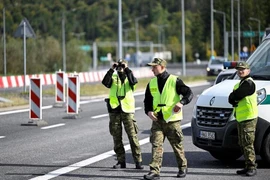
213	123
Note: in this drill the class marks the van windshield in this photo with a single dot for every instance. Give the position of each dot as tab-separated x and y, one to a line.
259	62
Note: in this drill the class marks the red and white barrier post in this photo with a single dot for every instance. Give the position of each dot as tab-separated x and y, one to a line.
60	89
73	97
35	103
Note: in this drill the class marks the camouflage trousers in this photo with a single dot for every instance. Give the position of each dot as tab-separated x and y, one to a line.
131	128
246	137
172	130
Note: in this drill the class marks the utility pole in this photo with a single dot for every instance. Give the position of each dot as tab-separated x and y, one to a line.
232	30
4	36
63	42
212	29
120	41
239	32
183	38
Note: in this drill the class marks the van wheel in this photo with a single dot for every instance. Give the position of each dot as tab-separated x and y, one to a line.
265	153
226	156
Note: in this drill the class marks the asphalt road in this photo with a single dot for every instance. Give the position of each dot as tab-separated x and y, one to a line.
82	148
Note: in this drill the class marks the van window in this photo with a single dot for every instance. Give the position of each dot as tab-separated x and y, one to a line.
259	62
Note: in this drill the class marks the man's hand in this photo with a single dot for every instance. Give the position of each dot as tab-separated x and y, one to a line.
152	116
177	108
114	65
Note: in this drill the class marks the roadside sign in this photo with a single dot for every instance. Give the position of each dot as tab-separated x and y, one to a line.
245	49
248	34
253	48
85	48
252	33
29	32
104	58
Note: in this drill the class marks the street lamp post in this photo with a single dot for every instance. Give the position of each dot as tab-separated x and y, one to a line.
64	38
232	27
212	29
239	32
232	30
224	27
137	33
259	27
183	38
120	32
4	40
63	42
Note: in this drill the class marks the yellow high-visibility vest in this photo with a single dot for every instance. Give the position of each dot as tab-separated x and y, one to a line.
247	107
166	100
124	92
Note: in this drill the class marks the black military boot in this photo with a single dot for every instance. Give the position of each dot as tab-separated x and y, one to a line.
139	165
182	173
242	171
251	172
119	165
151	176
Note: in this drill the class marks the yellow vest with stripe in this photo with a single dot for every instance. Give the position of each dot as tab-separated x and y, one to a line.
168	97
247	107
117	90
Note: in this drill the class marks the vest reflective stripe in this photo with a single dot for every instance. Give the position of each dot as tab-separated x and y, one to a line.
118	89
247	107
168	97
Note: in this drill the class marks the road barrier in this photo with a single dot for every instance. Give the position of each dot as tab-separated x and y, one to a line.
73	97
60	89
35	102
50	79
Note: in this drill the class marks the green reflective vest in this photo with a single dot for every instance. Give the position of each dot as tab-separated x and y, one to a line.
165	101
121	94
247	107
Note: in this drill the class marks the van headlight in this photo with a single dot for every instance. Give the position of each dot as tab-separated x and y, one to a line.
207	69
261	95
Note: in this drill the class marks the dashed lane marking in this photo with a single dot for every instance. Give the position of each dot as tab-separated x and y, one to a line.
53	126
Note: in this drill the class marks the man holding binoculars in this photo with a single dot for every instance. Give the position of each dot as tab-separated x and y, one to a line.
121	108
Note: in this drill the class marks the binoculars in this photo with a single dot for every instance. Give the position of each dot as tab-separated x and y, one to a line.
119	65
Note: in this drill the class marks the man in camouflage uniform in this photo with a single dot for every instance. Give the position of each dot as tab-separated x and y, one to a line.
244	100
163	104
121	107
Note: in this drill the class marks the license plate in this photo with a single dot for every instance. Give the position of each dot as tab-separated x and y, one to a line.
207	135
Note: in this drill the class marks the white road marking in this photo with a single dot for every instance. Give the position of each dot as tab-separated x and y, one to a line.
53	126
1	137
87	162
22	110
99	116
186	125
138	108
